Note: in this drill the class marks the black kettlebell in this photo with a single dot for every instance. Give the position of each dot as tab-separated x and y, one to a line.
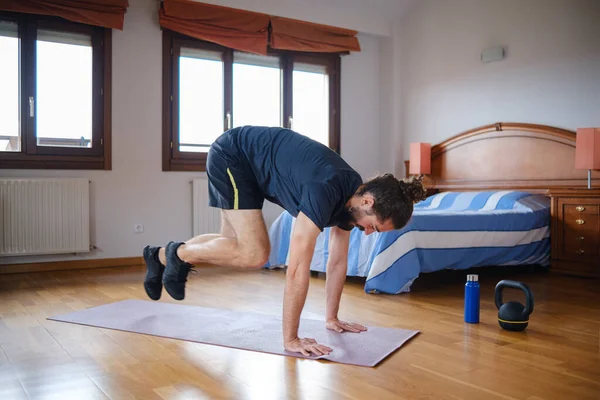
513	316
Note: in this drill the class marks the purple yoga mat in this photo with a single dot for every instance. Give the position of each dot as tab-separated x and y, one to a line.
241	330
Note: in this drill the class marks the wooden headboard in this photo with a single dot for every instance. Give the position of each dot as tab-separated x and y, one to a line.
514	156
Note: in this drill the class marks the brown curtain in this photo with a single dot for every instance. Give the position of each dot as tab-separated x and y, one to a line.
290	34
106	13
230	27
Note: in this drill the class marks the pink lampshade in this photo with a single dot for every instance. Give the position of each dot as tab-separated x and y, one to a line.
587	148
420	158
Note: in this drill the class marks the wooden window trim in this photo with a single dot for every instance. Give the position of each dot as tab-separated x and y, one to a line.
33	156
172	159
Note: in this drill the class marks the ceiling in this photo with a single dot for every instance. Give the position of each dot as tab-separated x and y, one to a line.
390	9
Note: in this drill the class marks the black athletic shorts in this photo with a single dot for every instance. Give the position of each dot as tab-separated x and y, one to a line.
231	182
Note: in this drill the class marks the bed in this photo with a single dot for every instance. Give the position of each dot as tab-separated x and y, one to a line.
487	207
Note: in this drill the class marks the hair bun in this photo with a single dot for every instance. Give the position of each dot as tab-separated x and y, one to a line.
413	189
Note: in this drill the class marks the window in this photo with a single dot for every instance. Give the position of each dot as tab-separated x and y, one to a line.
209	89
54	93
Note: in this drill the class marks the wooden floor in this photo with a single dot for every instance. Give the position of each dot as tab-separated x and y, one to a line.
557	357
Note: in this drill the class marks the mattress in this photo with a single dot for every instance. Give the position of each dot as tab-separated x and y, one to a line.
448	230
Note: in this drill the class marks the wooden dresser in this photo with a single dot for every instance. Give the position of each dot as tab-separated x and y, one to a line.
575	231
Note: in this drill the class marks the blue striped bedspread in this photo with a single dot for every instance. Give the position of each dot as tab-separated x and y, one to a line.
449	230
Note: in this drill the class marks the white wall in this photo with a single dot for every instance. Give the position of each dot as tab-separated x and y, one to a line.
360	102
551	73
387	108
140	192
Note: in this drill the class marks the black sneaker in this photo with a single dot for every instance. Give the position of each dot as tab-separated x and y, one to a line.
154	272
176	273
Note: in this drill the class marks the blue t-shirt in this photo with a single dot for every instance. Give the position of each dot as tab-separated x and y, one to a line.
299	173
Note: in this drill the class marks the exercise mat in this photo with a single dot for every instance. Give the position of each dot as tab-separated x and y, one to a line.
240	330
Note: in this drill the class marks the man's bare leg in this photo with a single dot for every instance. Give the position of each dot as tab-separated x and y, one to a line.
226	230
244	243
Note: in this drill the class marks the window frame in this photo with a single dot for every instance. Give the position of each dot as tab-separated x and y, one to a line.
172	158
32	156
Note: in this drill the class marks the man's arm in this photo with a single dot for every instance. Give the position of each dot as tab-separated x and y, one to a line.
302	246
337	267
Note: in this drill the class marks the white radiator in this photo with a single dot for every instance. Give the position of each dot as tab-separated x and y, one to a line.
206	219
44	216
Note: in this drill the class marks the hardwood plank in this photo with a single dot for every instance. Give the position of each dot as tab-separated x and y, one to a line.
10	386
60	381
70	265
557	356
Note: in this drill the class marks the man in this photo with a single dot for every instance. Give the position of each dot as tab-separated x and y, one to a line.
247	165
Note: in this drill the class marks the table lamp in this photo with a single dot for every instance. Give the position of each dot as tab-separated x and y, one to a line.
420	158
587	151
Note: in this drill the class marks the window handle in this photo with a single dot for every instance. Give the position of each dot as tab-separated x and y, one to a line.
228	118
290	122
31	107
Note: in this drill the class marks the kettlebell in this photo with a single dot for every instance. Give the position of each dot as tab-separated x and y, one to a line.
513	316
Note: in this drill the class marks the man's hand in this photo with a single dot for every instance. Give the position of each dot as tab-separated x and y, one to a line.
341	326
307	346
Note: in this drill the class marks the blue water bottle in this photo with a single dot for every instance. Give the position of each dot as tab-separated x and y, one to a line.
472	299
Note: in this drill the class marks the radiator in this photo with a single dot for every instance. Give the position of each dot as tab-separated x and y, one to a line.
206	219
44	216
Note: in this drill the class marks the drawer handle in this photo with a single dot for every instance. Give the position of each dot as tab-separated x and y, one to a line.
579	251
580	221
580	208
580	238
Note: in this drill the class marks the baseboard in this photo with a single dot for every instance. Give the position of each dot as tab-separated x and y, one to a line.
70	265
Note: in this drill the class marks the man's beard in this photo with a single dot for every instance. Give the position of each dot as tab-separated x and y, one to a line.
355	213
351	215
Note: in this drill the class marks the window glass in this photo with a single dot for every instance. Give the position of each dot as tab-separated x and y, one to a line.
64	89
311	101
10	133
200	99
257	82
